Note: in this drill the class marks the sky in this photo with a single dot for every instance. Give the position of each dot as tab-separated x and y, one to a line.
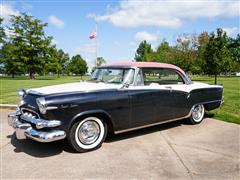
122	25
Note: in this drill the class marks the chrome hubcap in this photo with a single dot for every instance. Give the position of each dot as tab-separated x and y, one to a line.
197	113
89	132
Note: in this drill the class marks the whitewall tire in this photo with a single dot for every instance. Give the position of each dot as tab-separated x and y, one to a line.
87	134
197	114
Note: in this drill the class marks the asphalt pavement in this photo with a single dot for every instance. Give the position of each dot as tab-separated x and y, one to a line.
174	150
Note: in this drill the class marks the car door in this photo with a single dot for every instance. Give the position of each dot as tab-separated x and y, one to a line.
142	111
150	102
177	99
162	96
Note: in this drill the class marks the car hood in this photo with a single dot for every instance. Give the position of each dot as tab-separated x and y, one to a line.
73	87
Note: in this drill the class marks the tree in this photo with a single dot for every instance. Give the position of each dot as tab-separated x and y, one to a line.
2	32
234	46
31	43
164	53
217	57
11	61
50	64
143	51
198	64
63	59
58	61
100	61
186	51
77	65
2	40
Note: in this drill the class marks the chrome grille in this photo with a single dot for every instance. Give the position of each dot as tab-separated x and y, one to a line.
30	113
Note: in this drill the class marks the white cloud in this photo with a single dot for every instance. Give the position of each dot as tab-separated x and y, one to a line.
169	14
56	21
88	48
6	11
231	30
146	36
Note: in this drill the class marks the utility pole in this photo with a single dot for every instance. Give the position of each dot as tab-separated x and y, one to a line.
96	41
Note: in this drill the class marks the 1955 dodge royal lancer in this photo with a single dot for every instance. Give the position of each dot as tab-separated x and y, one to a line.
117	98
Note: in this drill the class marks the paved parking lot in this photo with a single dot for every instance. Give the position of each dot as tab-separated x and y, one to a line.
176	150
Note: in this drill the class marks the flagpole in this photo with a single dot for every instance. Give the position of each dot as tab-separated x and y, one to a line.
96	43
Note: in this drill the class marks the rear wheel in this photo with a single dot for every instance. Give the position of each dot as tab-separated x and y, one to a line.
87	134
197	114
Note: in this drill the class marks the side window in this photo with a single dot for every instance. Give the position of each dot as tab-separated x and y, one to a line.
157	76
128	76
140	81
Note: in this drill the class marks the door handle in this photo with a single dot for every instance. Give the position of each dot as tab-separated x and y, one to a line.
169	87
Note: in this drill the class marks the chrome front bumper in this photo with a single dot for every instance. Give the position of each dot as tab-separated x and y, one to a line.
25	130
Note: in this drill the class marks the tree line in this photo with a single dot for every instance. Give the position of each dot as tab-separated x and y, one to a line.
206	53
26	49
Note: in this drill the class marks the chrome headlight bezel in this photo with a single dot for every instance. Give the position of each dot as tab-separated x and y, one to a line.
21	94
41	105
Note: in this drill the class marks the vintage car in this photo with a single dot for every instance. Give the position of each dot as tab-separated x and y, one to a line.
118	98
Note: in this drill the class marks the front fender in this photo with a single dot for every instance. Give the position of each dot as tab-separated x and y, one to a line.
89	113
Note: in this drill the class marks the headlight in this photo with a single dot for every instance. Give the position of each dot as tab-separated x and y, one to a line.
41	105
21	93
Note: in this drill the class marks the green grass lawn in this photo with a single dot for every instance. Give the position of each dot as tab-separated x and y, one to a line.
9	86
229	112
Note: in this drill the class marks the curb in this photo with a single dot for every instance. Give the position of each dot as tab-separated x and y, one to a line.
8	106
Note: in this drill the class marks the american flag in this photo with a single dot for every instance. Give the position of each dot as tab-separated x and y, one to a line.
93	34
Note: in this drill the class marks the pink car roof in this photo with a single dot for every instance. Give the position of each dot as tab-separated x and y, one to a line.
146	64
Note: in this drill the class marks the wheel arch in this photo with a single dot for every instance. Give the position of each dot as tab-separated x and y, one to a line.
106	117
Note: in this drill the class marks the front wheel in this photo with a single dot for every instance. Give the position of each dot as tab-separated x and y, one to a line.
87	134
197	114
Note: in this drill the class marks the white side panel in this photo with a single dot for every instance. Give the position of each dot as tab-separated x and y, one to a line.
179	87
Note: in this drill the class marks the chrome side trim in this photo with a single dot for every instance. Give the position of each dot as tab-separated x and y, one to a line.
51	107
149	125
162	122
213	101
208	102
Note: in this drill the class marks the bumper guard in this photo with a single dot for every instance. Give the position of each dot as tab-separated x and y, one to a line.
25	130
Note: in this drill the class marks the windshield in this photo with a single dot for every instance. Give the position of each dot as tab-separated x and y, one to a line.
113	75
